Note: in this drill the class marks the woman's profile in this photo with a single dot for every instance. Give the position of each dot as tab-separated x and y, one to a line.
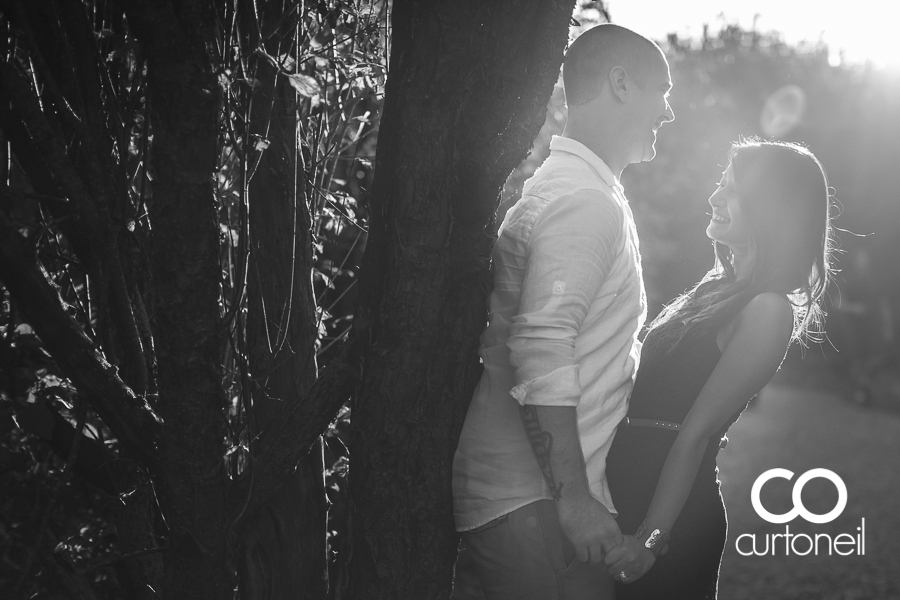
705	356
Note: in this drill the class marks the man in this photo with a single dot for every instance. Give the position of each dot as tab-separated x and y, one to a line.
561	349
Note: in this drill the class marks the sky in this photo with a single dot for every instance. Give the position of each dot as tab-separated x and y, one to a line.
863	29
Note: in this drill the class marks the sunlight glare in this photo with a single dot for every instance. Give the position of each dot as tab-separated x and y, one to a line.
855	32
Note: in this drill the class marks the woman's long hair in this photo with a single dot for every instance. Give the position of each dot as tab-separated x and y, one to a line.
783	191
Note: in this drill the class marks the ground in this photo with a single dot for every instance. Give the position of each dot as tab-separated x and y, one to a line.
798	424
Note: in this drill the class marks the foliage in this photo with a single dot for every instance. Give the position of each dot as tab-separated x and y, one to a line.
81	69
335	57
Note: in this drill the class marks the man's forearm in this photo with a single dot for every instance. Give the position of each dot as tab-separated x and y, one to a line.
553	434
586	523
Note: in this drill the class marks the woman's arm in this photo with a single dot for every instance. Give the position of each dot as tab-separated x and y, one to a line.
760	337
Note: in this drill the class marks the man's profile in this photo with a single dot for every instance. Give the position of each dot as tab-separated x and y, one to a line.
561	348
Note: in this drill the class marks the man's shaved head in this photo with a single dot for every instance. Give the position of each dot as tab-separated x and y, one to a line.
597	51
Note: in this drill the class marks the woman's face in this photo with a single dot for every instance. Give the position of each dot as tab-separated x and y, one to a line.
728	224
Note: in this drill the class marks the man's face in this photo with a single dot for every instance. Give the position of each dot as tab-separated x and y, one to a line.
651	109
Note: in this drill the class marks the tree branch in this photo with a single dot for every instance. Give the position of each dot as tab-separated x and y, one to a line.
15	88
129	417
287	442
51	90
94	463
95	137
31	160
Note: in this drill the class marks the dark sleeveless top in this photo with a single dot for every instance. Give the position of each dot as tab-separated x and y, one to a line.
666	387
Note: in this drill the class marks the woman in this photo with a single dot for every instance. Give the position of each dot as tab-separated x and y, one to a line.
705	356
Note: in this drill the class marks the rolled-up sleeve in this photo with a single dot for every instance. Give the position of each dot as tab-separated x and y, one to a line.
569	253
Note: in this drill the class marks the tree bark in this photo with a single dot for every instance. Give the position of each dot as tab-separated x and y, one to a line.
467	91
283	555
191	483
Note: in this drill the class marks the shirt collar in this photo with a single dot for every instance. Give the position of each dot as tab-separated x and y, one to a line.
570	146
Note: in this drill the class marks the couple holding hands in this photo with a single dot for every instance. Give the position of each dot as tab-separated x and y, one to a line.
578	475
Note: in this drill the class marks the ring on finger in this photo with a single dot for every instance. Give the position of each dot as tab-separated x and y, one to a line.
623	577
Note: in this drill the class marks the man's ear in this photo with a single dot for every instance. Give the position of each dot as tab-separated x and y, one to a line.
619	83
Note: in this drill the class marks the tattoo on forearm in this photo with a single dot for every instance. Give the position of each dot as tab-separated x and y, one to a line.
541	444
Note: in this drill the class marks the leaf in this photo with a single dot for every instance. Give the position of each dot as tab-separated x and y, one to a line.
263	54
287	62
320	275
304	84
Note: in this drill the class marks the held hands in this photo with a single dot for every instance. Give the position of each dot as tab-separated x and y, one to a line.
588	526
630	558
596	537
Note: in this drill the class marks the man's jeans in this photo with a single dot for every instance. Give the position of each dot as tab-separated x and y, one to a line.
524	555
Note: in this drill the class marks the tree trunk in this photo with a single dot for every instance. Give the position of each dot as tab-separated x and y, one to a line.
468	87
191	483
283	555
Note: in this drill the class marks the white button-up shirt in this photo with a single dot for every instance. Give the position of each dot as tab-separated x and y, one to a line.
567	303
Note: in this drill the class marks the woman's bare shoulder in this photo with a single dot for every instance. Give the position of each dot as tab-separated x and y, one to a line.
767	315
